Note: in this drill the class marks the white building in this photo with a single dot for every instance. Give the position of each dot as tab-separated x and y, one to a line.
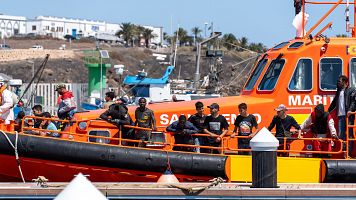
59	27
12	25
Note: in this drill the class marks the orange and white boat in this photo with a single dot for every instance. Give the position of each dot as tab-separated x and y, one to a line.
299	73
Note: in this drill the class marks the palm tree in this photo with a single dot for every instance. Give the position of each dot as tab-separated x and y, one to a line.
182	36
127	31
167	38
229	39
196	31
244	42
138	33
147	35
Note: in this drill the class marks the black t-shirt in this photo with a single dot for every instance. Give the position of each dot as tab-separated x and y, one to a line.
283	125
245	124
216	125
197	121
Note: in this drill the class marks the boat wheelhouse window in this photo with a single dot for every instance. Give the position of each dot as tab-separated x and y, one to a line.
295	45
302	77
141	91
353	72
99	133
330	70
256	73
281	45
272	74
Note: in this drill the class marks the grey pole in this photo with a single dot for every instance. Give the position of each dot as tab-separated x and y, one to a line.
264	159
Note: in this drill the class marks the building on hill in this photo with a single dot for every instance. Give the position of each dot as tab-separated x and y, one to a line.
12	25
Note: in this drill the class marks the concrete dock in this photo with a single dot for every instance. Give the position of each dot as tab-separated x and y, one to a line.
186	191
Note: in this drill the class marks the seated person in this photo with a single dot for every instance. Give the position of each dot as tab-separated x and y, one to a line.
18	121
320	124
37	111
182	130
46	124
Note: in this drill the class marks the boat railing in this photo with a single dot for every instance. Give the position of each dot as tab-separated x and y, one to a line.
350	134
228	144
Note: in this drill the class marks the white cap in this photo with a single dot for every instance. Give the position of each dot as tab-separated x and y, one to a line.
264	140
80	188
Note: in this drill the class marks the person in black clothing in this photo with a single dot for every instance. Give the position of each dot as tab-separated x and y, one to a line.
283	124
182	133
198	121
118	115
18	121
244	123
215	125
344	103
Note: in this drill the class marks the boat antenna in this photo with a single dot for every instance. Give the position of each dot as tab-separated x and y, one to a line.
175	49
40	69
347	12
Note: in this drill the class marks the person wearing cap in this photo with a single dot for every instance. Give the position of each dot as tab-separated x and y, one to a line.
283	124
215	125
109	99
67	103
6	103
145	118
320	124
244	123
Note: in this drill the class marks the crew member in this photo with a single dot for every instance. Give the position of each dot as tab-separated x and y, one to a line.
109	99
67	104
344	103
6	103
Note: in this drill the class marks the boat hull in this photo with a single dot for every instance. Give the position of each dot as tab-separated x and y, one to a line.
59	160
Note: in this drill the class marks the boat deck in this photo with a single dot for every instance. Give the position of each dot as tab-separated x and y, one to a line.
186	190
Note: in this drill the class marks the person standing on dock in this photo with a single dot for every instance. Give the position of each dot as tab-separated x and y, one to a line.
216	126
6	103
244	124
344	103
198	121
145	118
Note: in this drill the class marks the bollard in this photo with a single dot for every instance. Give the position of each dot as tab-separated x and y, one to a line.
264	159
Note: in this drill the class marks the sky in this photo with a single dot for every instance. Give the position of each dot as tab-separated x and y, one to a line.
265	21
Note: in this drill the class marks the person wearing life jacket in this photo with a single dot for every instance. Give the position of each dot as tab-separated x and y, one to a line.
320	124
6	103
66	102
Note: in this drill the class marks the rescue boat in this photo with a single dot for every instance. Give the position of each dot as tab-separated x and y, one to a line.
299	73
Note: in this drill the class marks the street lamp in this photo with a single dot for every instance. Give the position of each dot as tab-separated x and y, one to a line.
32	63
103	54
206	24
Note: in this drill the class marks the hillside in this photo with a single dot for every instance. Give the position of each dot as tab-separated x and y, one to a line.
68	66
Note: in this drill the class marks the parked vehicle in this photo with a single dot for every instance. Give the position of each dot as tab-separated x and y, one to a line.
4	47
37	47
